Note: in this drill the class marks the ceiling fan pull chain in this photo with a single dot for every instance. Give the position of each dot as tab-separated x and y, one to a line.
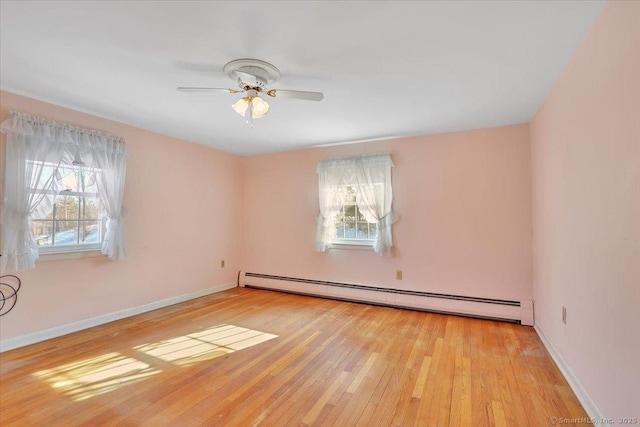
249	114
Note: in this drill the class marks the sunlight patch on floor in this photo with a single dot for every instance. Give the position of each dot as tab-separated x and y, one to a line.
205	345
97	375
101	374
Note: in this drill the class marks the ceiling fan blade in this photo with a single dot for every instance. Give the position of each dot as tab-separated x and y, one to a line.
298	94
247	78
207	89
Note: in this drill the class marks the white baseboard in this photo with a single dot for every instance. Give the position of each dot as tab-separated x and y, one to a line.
24	340
587	403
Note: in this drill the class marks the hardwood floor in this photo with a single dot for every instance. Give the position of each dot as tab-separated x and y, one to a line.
251	357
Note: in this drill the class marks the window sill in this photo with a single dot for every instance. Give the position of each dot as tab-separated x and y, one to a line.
77	254
352	246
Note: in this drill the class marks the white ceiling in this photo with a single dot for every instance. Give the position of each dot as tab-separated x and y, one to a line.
387	68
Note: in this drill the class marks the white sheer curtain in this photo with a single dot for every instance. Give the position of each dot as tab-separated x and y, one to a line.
333	174
374	196
29	146
370	175
110	159
35	149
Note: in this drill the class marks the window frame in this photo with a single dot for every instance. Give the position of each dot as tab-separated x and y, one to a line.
350	243
77	247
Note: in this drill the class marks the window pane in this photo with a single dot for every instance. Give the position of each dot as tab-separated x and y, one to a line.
42	231
351	196
45	175
360	216
72	178
363	230
350	212
48	217
350	226
66	233
90	232
373	231
338	220
66	208
89	208
87	181
69	177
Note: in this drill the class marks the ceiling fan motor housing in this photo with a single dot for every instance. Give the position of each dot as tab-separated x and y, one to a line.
254	76
265	74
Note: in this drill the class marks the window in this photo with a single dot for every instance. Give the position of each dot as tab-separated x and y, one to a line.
355	197
64	188
351	226
75	222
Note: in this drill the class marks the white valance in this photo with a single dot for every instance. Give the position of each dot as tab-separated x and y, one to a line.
367	161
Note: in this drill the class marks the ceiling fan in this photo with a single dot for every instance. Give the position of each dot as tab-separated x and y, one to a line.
253	78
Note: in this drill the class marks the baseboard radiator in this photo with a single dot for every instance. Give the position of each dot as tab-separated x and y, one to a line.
488	308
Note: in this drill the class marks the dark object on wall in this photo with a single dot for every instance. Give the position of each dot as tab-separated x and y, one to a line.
9	287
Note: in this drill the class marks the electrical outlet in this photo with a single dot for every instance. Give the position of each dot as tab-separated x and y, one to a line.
221	263
564	315
398	274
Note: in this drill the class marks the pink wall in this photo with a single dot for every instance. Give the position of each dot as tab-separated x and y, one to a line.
586	209
183	201
465	205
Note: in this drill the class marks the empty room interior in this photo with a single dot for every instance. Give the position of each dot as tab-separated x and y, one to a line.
348	213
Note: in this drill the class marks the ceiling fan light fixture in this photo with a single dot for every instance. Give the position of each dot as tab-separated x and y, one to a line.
241	106
251	107
259	107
